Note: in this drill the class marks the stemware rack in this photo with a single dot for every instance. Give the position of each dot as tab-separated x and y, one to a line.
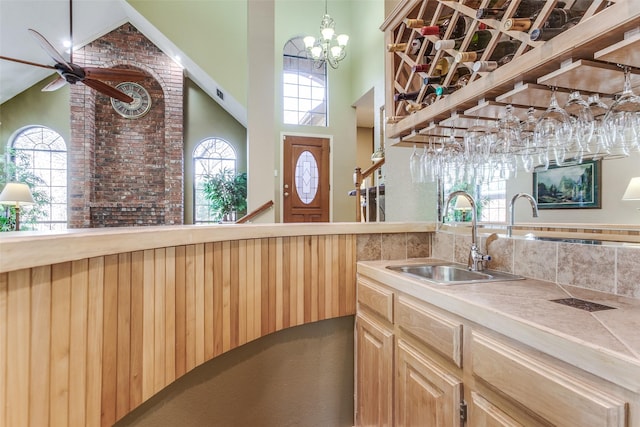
586	57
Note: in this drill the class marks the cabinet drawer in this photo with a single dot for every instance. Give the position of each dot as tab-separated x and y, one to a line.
376	298
437	331
560	398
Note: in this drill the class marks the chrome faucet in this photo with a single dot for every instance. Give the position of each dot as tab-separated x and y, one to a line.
476	258
512	214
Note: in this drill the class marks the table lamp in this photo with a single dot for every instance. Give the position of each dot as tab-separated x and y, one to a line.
16	193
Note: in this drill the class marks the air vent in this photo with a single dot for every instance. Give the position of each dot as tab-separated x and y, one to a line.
582	304
220	94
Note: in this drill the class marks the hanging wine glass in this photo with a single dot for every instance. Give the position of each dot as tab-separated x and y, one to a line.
554	129
622	122
477	146
424	163
414	166
582	126
529	148
598	146
509	142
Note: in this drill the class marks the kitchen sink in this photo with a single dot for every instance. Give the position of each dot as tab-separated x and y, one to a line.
451	274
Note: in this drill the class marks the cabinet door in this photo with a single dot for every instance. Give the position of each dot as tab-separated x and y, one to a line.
427	395
484	413
374	373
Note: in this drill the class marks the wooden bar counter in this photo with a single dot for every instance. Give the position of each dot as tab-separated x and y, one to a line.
95	322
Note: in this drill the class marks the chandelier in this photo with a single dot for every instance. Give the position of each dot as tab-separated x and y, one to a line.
329	48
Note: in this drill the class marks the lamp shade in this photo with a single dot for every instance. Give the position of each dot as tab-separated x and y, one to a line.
633	190
462	204
16	193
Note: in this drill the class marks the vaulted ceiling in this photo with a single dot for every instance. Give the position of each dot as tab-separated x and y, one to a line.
91	19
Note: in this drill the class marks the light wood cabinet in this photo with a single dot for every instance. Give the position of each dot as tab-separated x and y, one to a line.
374	377
419	365
426	393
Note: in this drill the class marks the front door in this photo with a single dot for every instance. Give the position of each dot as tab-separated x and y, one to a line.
305	179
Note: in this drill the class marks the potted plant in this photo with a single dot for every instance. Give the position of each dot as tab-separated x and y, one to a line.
19	170
227	194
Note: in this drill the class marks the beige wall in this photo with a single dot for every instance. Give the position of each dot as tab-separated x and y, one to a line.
34	107
301	376
205	118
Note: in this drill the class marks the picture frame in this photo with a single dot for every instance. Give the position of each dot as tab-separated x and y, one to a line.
575	186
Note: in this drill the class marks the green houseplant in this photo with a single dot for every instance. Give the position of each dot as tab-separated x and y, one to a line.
18	169
227	194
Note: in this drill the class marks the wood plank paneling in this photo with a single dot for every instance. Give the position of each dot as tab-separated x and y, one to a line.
61	330
87	341
136	324
217	298
78	343
159	321
190	307
199	303
170	316
123	363
95	328
110	340
148	325
181	316
40	346
208	301
4	279
18	347
234	309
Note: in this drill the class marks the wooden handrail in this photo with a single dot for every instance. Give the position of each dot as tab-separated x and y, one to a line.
358	178
255	212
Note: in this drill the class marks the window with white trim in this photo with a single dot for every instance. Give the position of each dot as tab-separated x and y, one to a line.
42	153
304	88
210	156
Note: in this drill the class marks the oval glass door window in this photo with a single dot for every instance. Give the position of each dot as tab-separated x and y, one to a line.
306	178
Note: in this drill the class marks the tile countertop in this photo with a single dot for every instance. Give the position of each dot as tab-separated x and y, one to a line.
605	343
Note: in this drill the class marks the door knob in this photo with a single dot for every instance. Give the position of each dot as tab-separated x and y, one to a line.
286	194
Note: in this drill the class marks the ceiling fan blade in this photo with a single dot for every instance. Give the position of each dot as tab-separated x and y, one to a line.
114	74
6	58
53	53
107	90
55	84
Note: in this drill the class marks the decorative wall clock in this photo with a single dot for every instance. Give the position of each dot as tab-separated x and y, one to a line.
141	101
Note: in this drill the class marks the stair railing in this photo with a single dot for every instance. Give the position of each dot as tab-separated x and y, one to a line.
363	195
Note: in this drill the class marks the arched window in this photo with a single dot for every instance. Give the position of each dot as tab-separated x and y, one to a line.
210	156
41	153
304	89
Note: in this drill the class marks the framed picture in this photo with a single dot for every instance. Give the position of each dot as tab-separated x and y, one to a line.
568	187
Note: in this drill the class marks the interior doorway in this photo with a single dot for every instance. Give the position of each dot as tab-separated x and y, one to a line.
305	179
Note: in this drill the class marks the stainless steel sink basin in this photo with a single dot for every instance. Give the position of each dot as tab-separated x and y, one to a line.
451	274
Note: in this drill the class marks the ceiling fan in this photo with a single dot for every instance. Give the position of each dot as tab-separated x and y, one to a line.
71	73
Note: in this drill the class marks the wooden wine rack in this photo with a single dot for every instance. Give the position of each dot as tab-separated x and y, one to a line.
584	57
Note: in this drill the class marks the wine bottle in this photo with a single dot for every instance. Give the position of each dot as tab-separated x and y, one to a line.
396	47
556	19
503	52
479	40
544	34
432	80
408	96
413	106
492	63
459	29
525	9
